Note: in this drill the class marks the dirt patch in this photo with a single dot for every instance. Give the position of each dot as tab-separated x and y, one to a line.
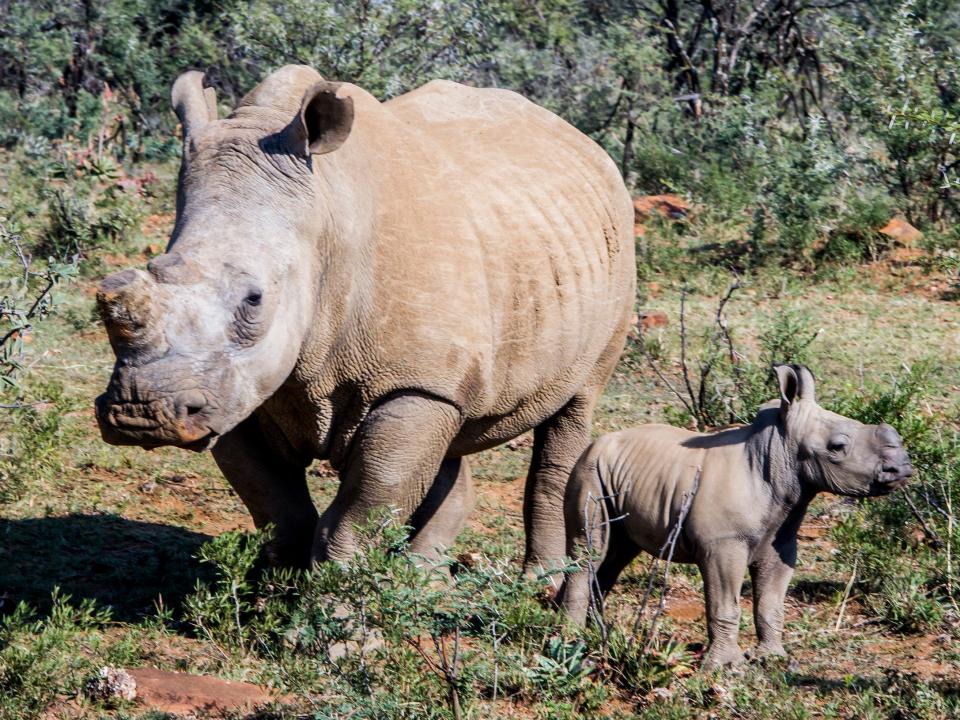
915	654
503	498
685	609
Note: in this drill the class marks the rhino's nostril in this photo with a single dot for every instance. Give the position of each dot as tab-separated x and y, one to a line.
189	404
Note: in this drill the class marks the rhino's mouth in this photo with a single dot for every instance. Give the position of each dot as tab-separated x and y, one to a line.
891	477
204	443
155	424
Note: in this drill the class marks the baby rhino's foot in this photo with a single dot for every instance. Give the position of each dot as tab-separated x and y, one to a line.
728	657
764	654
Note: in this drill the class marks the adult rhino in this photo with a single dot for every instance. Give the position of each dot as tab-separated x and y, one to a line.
391	286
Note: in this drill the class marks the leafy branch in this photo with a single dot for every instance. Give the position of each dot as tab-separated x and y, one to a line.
29	300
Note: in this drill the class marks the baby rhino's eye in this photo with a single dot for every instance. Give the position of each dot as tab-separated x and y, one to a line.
838	443
253	298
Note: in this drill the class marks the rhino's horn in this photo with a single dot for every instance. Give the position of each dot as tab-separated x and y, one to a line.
193	105
126	308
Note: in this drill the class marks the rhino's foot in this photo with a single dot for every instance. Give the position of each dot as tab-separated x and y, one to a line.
731	658
768	650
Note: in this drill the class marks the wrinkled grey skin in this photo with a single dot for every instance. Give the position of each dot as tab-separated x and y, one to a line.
756	482
390	286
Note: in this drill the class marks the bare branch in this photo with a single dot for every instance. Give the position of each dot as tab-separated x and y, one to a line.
666	556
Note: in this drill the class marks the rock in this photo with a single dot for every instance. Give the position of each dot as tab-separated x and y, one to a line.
180	693
659	695
110	685
469	559
653	318
671	206
901	231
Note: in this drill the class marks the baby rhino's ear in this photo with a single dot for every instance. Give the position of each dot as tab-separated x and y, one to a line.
796	383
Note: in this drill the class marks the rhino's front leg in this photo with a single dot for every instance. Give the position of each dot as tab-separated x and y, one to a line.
273	486
771	574
393	460
723	566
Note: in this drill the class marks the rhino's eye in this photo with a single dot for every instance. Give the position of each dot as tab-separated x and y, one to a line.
253	298
838	444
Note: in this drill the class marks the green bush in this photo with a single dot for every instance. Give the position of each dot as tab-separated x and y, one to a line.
389	633
41	659
722	384
856	237
898	543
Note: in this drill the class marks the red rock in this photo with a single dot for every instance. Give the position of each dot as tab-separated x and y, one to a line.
180	693
671	206
901	231
653	318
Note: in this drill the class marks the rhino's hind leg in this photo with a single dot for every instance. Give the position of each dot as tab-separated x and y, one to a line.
394	459
622	552
440	517
273	488
557	445
586	522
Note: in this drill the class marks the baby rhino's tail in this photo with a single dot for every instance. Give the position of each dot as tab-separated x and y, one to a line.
588	533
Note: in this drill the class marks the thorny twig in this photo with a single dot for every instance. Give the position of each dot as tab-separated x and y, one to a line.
695	402
928	531
666	555
725	329
683	352
595	506
445	668
846	594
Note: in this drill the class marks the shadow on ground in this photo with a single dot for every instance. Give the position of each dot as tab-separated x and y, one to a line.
124	564
808	590
891	682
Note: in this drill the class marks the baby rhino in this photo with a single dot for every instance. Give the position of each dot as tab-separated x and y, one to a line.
755	484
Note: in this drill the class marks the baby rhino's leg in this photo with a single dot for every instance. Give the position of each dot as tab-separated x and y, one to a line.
771	575
722	566
585	517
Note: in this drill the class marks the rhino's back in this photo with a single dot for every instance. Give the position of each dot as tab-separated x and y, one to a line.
650	470
506	257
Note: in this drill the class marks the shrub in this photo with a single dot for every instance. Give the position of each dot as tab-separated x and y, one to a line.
899	544
728	386
41	659
389	633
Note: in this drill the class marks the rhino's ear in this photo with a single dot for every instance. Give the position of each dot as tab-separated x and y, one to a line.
324	121
796	383
195	107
